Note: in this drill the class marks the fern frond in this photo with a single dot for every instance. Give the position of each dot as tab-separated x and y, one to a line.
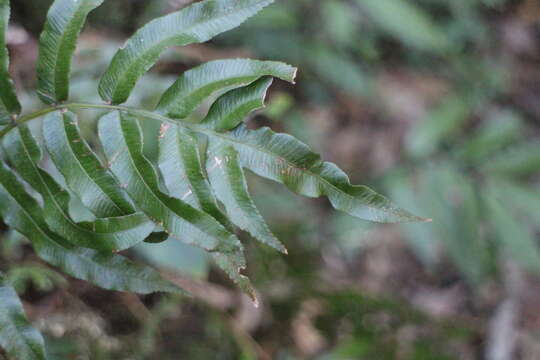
105	234
194	24
83	172
228	180
200	165
180	165
122	141
109	271
285	159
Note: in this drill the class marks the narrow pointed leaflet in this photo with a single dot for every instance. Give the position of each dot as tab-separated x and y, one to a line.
180	164
110	271
231	109
229	183
198	84
285	159
9	105
57	44
121	138
84	173
105	234
194	24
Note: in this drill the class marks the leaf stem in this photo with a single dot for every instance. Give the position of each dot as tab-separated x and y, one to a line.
77	106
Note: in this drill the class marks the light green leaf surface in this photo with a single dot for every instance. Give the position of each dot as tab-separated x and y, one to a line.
17	336
228	181
194	24
282	158
175	255
105	234
57	44
231	109
85	175
110	271
121	137
9	105
180	164
197	84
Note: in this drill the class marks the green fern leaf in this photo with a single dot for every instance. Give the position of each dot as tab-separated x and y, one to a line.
122	141
231	109
180	165
82	170
109	271
228	181
194	24
199	83
282	158
106	234
183	174
57	45
17	336
9	105
130	200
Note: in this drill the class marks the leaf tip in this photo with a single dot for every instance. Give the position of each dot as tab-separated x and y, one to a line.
295	73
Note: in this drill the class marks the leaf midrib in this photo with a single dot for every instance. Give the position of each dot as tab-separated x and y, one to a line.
194	127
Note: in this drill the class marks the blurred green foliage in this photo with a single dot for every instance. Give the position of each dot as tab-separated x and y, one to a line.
470	181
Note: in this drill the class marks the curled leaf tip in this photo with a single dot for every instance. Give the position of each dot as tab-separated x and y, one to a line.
295	73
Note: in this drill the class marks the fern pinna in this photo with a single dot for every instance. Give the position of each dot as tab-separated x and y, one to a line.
191	195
